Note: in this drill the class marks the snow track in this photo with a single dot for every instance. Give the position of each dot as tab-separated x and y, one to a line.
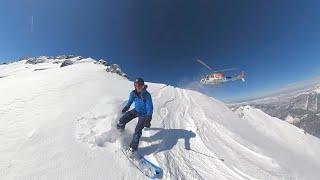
59	123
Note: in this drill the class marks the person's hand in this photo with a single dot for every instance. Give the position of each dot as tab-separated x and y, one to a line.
147	122
125	109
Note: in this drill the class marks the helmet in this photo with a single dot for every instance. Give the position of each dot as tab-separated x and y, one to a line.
139	81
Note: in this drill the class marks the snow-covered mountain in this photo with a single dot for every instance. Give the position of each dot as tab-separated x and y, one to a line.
58	123
45	62
300	108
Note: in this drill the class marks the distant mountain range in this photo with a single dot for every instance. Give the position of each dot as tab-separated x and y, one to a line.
300	107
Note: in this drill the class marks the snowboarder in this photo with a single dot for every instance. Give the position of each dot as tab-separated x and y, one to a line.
143	110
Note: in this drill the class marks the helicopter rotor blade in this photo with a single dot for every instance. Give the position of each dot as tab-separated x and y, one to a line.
224	70
204	64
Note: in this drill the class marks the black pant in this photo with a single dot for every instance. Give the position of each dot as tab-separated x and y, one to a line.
127	117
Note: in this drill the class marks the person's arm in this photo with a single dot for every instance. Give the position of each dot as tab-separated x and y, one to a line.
131	98
149	108
149	105
130	101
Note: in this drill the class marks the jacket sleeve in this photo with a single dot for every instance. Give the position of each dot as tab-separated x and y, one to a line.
131	98
149	105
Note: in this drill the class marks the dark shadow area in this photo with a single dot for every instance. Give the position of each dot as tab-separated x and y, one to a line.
168	139
4	76
40	69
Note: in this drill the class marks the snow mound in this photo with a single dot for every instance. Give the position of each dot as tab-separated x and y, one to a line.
59	123
93	128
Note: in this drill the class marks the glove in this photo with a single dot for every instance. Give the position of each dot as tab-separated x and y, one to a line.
147	122
125	109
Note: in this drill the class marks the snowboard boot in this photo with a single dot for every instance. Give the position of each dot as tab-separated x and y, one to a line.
120	126
147	124
131	152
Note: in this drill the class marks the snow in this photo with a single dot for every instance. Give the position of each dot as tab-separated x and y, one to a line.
317	90
292	120
58	123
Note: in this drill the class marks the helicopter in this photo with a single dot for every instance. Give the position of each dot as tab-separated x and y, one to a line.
218	77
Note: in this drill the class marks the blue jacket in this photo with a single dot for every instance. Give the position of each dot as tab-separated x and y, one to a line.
142	101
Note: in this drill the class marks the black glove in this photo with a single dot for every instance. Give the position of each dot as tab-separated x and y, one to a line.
147	122
125	109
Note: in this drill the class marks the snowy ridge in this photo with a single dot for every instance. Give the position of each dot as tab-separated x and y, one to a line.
301	109
46	62
58	123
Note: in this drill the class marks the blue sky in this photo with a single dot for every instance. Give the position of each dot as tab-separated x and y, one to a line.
275	42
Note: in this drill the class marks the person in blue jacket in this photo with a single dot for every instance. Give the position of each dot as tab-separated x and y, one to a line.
143	110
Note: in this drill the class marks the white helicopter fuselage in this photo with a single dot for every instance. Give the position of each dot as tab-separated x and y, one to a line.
212	81
219	78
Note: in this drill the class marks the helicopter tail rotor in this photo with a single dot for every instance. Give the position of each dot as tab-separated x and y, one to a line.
242	76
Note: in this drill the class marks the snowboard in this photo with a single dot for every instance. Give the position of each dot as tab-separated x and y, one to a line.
146	167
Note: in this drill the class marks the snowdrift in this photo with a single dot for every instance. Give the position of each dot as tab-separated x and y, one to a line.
58	123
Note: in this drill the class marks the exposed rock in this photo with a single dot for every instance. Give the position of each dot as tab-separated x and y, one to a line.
103	62
66	62
35	60
40	69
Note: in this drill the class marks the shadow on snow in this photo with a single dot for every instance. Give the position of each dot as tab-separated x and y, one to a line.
168	139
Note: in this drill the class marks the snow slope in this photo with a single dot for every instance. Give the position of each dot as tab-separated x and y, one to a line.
301	108
58	123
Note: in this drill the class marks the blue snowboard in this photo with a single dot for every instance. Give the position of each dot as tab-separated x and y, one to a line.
146	167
